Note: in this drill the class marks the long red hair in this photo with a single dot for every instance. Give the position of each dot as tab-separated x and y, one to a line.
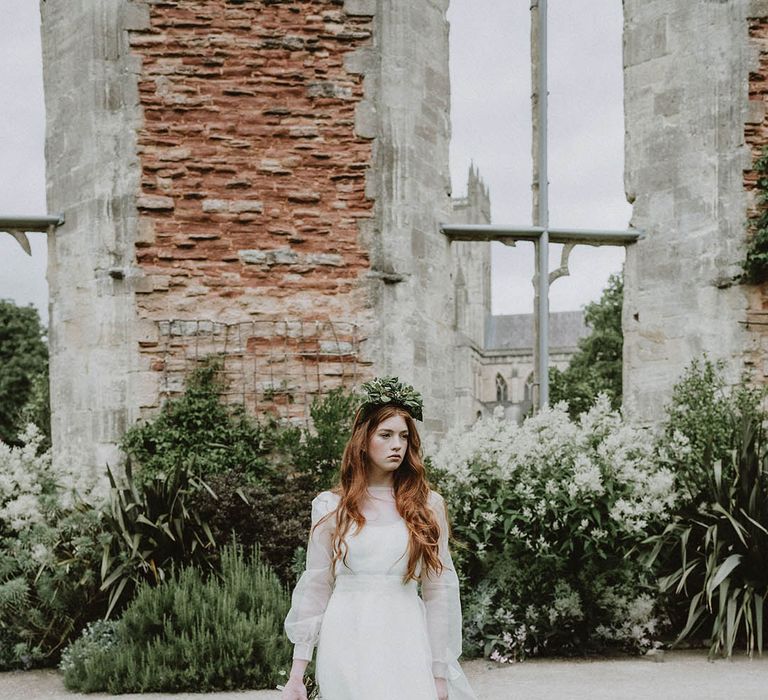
411	489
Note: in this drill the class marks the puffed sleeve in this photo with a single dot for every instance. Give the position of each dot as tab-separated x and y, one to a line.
442	602
314	587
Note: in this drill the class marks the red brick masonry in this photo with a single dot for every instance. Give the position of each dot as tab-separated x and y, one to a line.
252	176
756	135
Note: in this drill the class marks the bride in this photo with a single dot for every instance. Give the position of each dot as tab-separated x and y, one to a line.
375	537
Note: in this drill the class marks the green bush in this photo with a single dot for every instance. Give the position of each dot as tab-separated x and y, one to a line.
274	511
192	634
98	637
317	452
596	367
151	527
700	427
274	514
50	546
715	551
23	369
545	515
198	426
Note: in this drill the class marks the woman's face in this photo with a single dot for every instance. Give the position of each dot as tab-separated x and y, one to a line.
387	446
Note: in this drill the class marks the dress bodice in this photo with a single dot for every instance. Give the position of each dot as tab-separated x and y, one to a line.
381	545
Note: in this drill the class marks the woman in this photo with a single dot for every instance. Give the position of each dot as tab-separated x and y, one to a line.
374	536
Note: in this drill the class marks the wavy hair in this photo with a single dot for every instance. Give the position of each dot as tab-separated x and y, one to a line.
411	489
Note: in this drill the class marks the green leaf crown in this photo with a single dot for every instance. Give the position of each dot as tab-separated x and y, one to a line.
389	390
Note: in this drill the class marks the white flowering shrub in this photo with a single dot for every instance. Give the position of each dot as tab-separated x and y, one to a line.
550	510
50	548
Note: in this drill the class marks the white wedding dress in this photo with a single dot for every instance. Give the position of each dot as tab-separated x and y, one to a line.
376	638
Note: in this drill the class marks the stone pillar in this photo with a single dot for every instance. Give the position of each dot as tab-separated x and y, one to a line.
93	114
410	259
686	66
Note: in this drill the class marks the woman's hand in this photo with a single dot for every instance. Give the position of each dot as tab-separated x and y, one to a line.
294	690
441	685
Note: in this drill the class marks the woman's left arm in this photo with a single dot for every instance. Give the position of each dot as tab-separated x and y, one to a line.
442	602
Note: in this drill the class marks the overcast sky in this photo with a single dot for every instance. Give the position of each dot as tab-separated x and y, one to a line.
490	90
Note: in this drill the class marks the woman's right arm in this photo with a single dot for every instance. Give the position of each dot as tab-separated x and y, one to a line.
312	592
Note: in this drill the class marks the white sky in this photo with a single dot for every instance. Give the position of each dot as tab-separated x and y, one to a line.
490	88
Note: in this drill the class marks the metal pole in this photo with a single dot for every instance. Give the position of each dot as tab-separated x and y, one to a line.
30	223
541	200
490	232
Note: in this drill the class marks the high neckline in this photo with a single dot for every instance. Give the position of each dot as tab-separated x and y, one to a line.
387	488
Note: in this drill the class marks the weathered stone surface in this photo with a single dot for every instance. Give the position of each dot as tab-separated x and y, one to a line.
149	201
686	105
223	161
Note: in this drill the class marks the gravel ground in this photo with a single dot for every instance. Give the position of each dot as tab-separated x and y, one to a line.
671	676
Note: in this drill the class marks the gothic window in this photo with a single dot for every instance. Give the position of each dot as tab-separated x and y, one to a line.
501	389
529	388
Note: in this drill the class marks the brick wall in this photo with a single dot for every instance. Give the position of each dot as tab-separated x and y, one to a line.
756	136
253	179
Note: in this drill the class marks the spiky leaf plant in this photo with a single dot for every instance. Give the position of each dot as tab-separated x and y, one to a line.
716	553
151	526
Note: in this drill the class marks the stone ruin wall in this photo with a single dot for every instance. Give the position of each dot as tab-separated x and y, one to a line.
687	104
271	189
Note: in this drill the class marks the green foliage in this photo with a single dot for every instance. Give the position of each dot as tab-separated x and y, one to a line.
198	426
384	390
267	504
714	553
273	515
49	550
316	452
699	426
596	367
273	512
23	363
756	261
545	515
49	587
98	637
151	527
193	634
37	409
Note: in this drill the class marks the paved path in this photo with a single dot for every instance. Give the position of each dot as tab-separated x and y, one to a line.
679	676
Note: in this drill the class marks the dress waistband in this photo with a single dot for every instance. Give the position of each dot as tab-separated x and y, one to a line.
366	582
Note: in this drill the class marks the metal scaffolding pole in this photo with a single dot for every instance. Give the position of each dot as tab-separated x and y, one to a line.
540	232
588	236
19	226
540	201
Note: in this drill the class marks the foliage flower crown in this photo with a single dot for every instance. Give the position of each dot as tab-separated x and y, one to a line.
389	390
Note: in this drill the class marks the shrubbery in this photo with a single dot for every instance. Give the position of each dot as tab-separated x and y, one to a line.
150	528
50	546
177	512
23	373
549	511
198	427
190	633
596	367
713	555
551	519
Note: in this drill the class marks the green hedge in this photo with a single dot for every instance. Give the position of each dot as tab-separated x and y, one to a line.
191	634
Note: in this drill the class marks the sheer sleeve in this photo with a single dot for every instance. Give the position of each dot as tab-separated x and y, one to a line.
314	587
442	602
